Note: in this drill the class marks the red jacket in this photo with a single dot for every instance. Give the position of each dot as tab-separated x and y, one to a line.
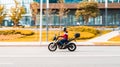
65	36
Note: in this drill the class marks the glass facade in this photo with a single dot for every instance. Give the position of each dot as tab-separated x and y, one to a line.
37	0
109	1
55	1
113	14
112	17
77	1
116	1
72	1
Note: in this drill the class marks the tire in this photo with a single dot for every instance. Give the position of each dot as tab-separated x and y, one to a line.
72	47
52	47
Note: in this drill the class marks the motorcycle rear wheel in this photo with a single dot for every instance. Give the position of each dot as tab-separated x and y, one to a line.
52	47
72	47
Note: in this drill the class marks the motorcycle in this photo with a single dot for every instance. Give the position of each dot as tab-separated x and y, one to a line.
71	46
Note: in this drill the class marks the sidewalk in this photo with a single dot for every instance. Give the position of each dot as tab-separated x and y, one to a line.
38	43
105	38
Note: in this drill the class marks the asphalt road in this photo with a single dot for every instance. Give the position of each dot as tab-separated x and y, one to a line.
84	56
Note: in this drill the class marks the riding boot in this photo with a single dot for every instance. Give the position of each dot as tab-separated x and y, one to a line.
64	46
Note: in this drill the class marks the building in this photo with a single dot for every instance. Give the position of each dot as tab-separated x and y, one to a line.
112	12
26	20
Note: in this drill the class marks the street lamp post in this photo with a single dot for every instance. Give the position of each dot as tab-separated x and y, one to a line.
106	6
47	18
41	3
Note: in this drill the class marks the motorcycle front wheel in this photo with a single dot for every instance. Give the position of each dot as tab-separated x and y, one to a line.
52	47
72	47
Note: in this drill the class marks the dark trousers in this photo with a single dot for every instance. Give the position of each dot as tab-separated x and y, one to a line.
63	41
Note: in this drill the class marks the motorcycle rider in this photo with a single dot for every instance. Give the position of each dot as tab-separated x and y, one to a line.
64	43
64	36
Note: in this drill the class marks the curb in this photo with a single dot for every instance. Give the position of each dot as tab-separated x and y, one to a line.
46	45
38	43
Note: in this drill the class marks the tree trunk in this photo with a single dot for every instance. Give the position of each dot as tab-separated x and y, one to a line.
61	22
60	19
34	19
0	25
15	24
83	21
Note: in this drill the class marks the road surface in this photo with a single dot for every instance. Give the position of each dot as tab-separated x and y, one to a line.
84	56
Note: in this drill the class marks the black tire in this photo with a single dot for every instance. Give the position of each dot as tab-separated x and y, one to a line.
52	47
72	47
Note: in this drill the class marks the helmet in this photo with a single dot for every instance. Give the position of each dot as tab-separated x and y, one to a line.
64	29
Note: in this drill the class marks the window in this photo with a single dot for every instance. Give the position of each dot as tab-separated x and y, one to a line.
36	0
66	1
110	1
116	1
101	1
50	1
53	1
72	1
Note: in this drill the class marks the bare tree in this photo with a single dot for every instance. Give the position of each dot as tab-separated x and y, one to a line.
50	13
62	10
